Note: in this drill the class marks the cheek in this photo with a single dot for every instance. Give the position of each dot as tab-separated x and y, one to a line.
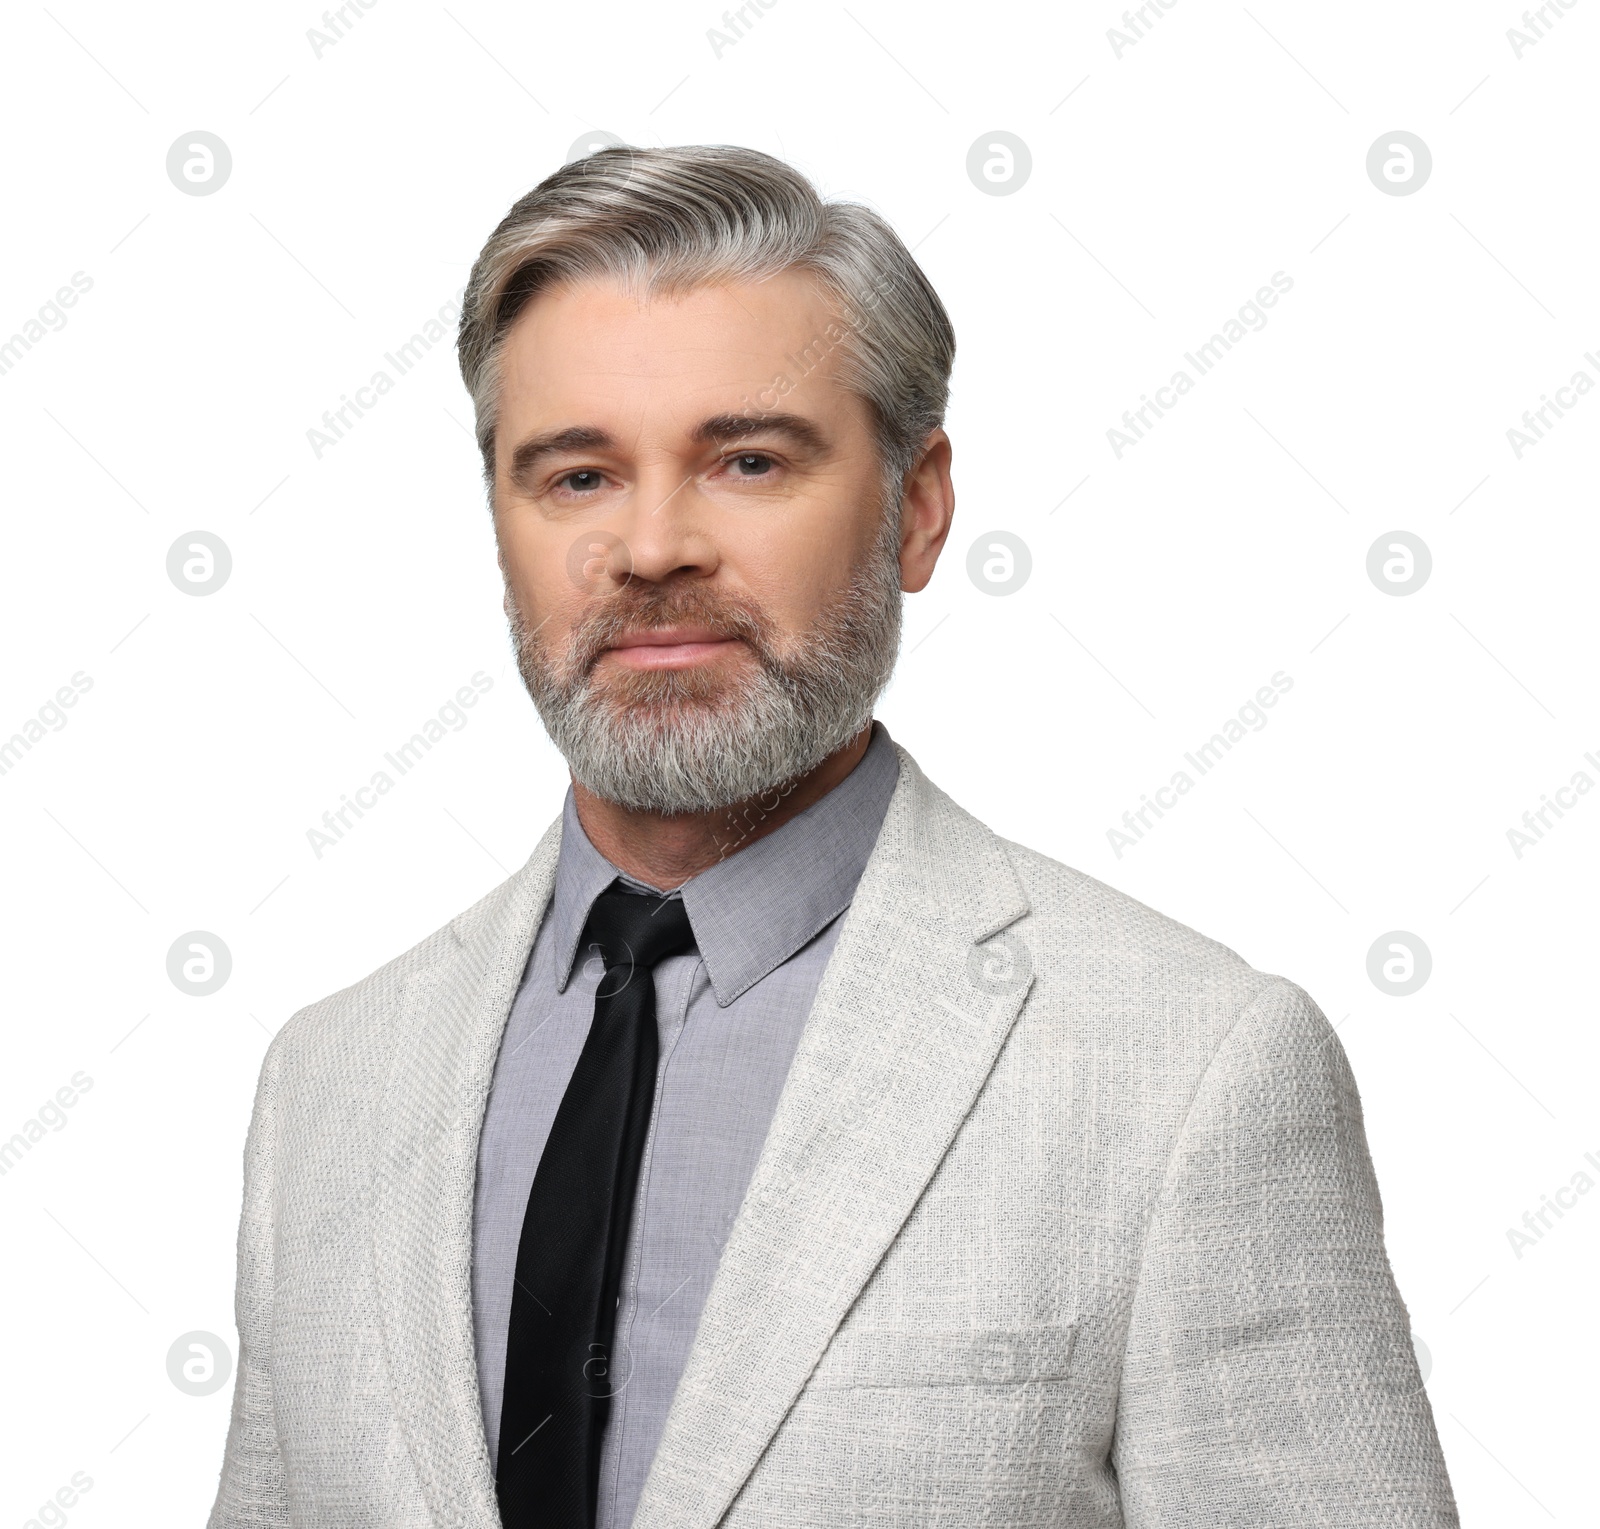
538	593
532	564
796	570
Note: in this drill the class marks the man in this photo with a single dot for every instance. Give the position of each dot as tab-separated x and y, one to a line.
779	1146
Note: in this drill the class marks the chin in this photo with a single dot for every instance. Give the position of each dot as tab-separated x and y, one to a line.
711	685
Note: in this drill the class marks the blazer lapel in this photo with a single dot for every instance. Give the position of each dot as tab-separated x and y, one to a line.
452	1015
907	1023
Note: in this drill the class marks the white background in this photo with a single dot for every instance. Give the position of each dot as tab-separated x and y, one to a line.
1168	184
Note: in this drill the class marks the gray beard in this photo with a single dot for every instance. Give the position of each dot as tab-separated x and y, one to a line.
675	741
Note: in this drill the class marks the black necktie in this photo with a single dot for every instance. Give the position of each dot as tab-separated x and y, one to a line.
569	1260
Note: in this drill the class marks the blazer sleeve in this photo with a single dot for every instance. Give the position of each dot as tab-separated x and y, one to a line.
252	1493
1269	1378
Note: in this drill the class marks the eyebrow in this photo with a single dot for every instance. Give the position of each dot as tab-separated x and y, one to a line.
805	435
732	427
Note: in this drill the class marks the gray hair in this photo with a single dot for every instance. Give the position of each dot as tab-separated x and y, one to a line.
669	219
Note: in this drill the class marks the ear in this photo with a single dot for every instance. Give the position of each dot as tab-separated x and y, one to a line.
926	512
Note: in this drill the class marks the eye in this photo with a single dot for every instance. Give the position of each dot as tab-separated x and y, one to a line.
581	480
751	464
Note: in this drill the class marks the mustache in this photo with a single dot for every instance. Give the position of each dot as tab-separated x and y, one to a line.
650	609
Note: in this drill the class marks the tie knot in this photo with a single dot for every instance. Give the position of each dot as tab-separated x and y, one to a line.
634	931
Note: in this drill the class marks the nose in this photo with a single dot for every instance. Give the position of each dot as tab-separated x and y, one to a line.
662	533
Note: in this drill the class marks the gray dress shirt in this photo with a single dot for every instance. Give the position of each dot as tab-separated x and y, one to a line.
730	1013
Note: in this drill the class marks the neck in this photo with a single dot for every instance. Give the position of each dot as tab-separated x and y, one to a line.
666	851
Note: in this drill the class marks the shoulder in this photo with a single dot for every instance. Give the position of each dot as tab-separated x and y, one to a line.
1081	934
1081	919
1109	972
1154	1011
347	1031
352	1030
1119	972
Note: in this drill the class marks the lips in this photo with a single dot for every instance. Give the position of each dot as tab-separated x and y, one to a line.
679	647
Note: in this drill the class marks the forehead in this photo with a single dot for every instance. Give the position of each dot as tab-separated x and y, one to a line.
596	347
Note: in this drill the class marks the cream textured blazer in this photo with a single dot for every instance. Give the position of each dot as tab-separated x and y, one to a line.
1066	1217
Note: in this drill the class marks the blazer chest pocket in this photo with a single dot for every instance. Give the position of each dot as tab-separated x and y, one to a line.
969	1357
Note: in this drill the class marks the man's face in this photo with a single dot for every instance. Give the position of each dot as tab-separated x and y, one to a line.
689	512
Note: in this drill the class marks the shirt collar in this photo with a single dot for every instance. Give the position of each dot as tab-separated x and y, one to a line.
754	909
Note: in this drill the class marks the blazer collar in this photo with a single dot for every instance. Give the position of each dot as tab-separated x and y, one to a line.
908	1021
451	1017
